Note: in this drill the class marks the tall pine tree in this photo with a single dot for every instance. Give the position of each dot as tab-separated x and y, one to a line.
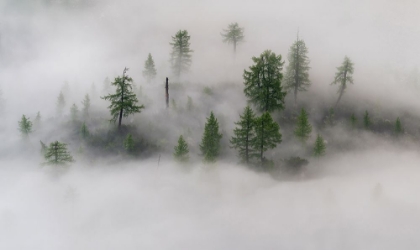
149	71
57	154
343	76
243	135
398	130
25	126
61	103
319	148
181	52
303	127
74	112
181	150
210	143
86	106
366	120
233	35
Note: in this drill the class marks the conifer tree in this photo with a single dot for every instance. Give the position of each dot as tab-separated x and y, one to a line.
43	148
84	131
366	120
267	136
243	135
181	150
86	106
398	127
129	143
181	52
25	126
303	127
353	120
61	103
57	154
210	143
123	102
330	117
233	35
263	82
343	76
74	112
297	71
319	148
149	71
37	120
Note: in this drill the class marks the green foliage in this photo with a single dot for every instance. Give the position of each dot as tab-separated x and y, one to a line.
181	150
129	143
343	76
319	148
57	154
25	126
366	120
303	128
263	82
210	143
43	148
61	103
398	127
123	102
149	71
353	120
243	134
84	131
267	136
295	164
86	106
74	112
208	91
181	52
297	71
233	35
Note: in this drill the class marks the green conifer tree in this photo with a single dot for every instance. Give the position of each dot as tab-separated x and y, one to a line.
57	154
61	103
129	143
84	131
149	71
303	127
181	52
37	121
343	76
25	126
86	106
263	82
353	120
319	148
398	127
243	135
181	150
233	35
366	120
210	143
74	112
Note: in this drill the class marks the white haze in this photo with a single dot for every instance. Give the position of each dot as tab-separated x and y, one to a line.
362	199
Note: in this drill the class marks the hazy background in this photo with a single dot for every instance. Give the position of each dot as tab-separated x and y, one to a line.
115	204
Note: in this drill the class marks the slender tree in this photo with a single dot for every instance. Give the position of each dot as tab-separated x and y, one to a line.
366	120
243	135
37	121
303	127
297	71
263	82
57	154
61	103
181	150
84	131
343	76
319	148
149	71
25	126
210	143
353	120
129	143
267	136
181	52
399	130
123	102
233	35
74	112
86	106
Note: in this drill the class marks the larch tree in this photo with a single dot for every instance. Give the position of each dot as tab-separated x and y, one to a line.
149	71
57	154
84	131
263	82
297	71
129	143
181	52
74	112
243	135
303	127
61	103
181	150
124	101
267	136
319	147
25	126
343	76
210	143
86	106
233	35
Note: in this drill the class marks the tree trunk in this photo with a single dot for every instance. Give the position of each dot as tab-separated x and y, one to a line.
167	93
262	143
122	100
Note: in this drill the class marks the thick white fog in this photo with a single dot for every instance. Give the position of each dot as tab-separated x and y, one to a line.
362	195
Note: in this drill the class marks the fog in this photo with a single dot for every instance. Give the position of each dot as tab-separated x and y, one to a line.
361	195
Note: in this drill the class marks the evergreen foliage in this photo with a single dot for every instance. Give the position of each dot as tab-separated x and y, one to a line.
25	126
263	82
366	120
319	148
129	143
210	143
353	120
181	52
181	150
343	76
86	106
303	127
61	103
233	35
297	71
74	112
243	135
37	121
123	102
43	148
267	136
149	71
57	154
84	131
398	127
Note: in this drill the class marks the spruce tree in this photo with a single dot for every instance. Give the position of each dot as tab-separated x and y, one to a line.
86	106
319	148
233	35
149	71
303	127
57	154
297	71
267	136
244	134
129	143
61	103
210	143
84	131
181	52
37	121
181	150
353	120
263	82
398	127
123	102
74	112
25	126
366	120
343	76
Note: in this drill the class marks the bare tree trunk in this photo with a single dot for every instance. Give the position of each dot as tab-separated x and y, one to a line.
339	98
167	93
